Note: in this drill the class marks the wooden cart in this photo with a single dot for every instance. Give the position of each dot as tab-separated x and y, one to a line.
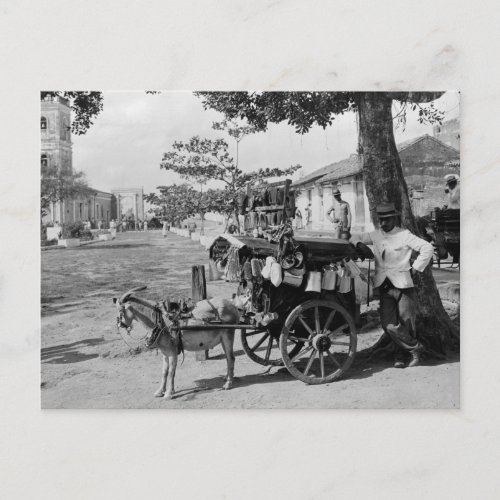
314	333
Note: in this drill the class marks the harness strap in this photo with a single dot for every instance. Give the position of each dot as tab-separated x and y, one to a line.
217	316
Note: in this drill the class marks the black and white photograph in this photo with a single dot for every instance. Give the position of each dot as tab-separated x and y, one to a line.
217	250
249	250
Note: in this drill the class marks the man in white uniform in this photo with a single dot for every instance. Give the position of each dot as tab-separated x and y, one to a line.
393	247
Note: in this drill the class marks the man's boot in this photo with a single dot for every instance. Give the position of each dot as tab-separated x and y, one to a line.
399	361
415	356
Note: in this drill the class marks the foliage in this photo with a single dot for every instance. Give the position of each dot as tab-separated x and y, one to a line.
84	105
76	230
58	184
179	202
303	110
201	160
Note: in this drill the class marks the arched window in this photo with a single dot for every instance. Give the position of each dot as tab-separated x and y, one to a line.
44	160
43	123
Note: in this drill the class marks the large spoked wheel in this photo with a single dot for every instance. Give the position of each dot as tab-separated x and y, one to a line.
263	347
328	337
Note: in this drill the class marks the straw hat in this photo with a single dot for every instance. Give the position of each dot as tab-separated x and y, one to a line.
386	210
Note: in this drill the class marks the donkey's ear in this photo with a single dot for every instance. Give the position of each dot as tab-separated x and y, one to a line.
115	300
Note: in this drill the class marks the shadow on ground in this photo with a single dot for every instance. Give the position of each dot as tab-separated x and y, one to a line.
364	367
69	353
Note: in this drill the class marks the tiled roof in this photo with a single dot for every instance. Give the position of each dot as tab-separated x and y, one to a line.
345	168
320	172
352	165
337	170
411	142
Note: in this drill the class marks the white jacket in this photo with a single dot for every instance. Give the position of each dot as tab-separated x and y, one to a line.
393	251
454	197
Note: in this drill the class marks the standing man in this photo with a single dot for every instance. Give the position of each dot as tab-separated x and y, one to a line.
453	191
341	218
393	247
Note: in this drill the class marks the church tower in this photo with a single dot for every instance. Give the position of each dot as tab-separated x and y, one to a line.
56	146
55	131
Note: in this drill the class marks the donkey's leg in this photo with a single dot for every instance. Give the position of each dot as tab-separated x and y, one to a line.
227	341
172	365
161	390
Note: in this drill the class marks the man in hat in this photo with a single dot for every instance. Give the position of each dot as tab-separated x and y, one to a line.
341	218
453	191
393	247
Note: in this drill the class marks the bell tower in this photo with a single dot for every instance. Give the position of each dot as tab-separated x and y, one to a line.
56	146
55	131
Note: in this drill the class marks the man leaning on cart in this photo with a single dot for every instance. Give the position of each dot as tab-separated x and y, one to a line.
393	247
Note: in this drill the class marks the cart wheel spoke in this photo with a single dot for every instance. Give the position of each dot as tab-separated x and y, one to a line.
306	326
301	353
296	339
310	362
329	321
321	364
337	342
260	342
338	330
332	357
269	347
316	321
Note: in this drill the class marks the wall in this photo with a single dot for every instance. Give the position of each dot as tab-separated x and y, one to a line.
353	192
448	132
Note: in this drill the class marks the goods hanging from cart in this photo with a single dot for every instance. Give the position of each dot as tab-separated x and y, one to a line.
297	300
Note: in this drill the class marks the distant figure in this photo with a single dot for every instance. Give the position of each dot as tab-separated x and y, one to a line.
145	226
452	191
99	224
298	220
308	212
112	228
164	230
341	218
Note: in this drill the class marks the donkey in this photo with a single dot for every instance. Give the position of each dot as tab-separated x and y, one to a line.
165	326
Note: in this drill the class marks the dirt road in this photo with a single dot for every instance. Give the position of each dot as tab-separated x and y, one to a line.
85	363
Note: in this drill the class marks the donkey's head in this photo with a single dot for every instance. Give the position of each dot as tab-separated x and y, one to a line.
125	316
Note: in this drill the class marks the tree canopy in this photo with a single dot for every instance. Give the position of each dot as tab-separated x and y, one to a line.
60	184
201	160
178	202
302	110
84	105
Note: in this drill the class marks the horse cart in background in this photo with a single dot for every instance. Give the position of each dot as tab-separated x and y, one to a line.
441	227
297	301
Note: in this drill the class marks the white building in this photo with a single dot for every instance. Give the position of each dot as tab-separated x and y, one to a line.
316	189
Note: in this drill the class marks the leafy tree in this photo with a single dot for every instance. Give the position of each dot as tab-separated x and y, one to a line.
203	159
382	170
179	202
84	105
58	184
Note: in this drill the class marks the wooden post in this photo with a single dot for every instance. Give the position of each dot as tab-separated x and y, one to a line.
199	292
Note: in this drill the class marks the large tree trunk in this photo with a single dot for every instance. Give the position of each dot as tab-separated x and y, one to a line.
384	181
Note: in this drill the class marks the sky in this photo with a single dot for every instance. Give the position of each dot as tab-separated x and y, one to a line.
125	145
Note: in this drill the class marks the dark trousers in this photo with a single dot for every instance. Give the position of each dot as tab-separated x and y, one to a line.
398	315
